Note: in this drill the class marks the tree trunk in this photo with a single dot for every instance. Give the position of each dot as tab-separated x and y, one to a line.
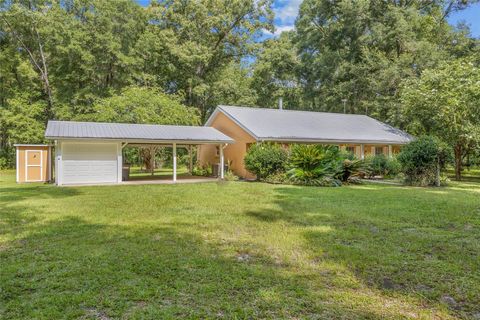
458	162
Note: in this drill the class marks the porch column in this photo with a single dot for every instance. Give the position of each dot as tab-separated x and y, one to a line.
362	151
222	162
190	165
174	156
390	151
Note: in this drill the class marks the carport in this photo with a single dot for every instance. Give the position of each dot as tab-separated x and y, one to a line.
91	152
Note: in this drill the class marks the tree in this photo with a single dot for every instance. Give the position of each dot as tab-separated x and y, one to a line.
362	50
203	38
143	105
275	73
444	102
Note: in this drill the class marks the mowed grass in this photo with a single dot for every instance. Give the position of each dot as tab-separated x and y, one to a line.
239	250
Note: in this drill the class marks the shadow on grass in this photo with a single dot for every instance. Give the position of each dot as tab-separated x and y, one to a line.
398	240
16	211
72	269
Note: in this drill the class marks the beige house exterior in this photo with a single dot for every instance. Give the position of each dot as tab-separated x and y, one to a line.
359	134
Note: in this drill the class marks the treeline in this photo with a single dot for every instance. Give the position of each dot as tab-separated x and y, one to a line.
174	61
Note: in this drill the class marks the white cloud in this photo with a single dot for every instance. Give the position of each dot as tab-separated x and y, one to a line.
278	30
286	11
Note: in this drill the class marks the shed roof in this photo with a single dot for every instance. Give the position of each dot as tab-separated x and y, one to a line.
134	132
306	126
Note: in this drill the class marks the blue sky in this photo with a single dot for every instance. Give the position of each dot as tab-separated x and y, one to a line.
286	12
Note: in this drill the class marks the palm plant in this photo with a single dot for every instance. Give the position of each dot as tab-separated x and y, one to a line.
315	165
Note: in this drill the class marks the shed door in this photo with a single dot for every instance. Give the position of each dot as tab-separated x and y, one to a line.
34	163
89	163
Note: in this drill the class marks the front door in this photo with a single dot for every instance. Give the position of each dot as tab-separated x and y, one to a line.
34	163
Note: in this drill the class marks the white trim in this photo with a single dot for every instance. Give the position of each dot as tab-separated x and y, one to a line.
119	162
49	163
138	141
238	123
33	165
31	145
58	166
174	158
17	166
333	141
222	163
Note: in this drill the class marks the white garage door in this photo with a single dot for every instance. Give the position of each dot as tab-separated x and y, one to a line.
89	163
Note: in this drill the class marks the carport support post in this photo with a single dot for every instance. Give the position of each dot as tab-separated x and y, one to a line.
390	151
362	151
174	156
190	165
222	163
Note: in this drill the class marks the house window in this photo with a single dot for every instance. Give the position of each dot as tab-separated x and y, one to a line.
378	150
350	149
217	151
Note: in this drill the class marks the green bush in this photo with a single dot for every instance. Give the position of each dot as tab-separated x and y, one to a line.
265	159
393	167
381	165
202	170
419	160
352	170
315	165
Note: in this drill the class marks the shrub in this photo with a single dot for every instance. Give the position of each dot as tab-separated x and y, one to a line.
230	176
278	178
265	159
419	160
202	170
315	165
376	165
351	170
393	167
381	165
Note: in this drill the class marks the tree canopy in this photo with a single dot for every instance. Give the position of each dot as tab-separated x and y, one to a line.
119	61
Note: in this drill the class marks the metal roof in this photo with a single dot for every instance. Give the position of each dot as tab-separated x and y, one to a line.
306	126
134	132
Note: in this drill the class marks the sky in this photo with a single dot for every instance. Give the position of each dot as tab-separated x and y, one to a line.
286	12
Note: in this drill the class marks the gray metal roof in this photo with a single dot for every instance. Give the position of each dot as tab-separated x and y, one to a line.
306	126
133	132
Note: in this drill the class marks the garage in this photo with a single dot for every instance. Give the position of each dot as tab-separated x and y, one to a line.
91	152
89	163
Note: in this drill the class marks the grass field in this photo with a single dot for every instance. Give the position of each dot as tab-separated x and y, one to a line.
239	250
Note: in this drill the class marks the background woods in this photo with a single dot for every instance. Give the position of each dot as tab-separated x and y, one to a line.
172	62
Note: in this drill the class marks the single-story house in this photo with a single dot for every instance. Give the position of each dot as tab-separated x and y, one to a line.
359	134
91	152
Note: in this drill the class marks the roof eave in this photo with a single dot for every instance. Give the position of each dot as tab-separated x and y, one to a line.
335	141
229	116
151	141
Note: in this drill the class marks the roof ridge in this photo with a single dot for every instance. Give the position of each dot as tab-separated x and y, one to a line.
126	123
295	111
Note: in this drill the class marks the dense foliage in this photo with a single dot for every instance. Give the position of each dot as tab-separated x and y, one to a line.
444	102
315	165
381	165
266	159
420	160
77	59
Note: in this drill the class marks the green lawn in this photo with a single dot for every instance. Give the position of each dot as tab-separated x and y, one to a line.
238	250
